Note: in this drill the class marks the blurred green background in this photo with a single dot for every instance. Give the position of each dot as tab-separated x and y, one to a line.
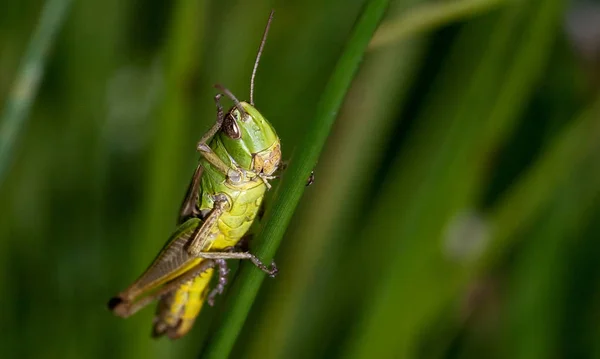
455	211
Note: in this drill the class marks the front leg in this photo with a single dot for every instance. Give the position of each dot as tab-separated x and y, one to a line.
205	151
189	207
217	126
232	173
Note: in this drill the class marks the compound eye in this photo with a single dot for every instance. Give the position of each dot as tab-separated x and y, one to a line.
231	127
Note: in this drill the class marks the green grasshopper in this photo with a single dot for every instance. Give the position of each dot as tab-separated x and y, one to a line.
239	155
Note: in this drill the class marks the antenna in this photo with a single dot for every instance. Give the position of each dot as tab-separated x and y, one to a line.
230	95
260	50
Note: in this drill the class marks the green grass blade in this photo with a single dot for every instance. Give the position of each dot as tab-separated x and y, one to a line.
315	242
427	17
244	290
26	85
443	179
535	187
544	259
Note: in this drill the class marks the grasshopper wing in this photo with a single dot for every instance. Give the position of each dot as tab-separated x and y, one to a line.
172	261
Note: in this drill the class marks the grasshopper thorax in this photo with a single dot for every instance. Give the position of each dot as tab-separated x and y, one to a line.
250	139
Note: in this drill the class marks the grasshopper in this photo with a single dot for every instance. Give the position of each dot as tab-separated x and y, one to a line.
238	157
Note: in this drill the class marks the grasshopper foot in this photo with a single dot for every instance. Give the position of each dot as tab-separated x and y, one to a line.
271	272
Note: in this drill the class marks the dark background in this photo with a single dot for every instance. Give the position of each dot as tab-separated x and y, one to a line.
455	211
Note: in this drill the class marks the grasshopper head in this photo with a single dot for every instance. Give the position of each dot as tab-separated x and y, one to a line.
248	137
251	140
